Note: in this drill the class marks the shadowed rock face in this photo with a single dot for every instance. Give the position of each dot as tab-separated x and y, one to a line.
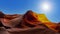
3	31
33	31
1	25
58	27
1	15
31	18
29	23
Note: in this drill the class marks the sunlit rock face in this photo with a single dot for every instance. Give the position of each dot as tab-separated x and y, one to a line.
35	19
29	23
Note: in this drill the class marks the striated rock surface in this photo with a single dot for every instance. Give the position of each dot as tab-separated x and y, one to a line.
29	23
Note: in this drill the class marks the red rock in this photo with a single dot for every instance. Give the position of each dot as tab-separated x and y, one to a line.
28	20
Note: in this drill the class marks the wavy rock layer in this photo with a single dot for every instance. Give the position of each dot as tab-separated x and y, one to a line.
29	23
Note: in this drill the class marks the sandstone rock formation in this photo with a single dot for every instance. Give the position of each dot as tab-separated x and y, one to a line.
29	23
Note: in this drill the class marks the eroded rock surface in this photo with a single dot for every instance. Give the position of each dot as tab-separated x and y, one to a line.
29	23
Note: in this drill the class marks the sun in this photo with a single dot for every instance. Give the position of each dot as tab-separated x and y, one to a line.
45	6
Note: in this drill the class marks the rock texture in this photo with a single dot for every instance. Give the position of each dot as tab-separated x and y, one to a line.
29	23
3	31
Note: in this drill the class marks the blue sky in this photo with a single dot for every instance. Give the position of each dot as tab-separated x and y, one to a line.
21	6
